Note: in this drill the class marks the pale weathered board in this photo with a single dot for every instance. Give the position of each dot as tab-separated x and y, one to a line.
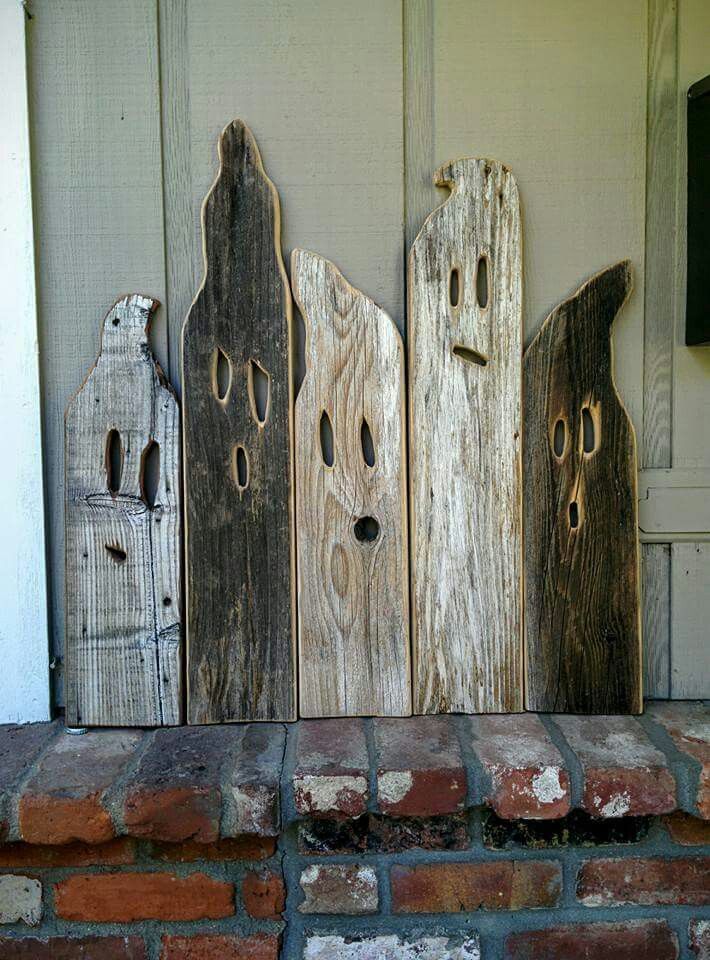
351	509
465	343
582	616
122	523
237	416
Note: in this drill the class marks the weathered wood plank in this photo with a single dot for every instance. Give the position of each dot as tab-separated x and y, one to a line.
465	412
238	466
123	518
582	616
656	596
690	649
351	506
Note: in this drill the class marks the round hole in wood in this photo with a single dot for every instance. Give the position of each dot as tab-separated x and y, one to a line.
367	529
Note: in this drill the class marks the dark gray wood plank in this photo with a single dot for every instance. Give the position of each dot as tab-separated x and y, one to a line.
238	453
582	613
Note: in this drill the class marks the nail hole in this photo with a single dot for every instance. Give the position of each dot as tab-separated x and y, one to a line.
454	287
588	438
115	320
114	461
470	356
573	515
116	553
368	447
240	467
150	473
366	529
482	282
259	385
559	438
221	375
326	440
167	601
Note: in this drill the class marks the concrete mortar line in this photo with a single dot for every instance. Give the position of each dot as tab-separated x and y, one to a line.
572	761
113	797
12	806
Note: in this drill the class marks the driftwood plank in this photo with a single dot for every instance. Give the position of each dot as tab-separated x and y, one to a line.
465	347
583	631
122	525
350	502
237	383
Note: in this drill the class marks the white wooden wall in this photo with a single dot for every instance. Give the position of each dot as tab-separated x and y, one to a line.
354	105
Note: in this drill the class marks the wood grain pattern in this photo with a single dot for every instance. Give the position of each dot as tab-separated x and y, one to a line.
465	411
122	521
350	501
582	617
238	477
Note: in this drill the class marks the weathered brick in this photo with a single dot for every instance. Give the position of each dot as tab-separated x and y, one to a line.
632	940
699	938
420	772
73	948
376	833
528	777
456	887
688	830
624	774
20	899
126	897
646	882
251	802
577	829
114	853
391	947
175	794
332	768
261	946
339	888
230	848
20	745
688	725
264	895
63	802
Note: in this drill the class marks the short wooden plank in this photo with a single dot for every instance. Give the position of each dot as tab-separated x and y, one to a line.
237	398
122	522
350	501
690	649
656	610
465	416
582	617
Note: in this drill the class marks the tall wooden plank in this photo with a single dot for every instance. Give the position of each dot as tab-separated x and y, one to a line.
237	383
123	520
351	508
690	654
465	336
582	618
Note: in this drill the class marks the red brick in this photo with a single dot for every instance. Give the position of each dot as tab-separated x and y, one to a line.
230	848
347	888
677	881
528	776
73	948
264	895
63	801
688	725
699	938
688	830
332	769
420	772
112	854
125	897
175	794
457	887
253	788
20	745
632	940
624	774
261	946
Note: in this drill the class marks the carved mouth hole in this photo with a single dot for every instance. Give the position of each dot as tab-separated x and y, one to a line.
482	282
240	467
367	529
150	473
559	438
454	286
589	440
470	356
221	375
573	515
259	385
326	440
116	553
114	461
368	447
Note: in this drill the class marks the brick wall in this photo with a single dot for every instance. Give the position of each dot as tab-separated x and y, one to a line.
454	838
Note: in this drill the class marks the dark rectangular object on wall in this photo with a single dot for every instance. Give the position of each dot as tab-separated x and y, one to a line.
697	314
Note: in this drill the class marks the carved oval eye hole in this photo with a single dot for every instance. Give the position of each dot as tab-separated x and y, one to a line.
117	554
240	468
259	386
559	438
482	282
455	287
221	375
589	438
114	461
150	473
368	447
573	515
327	448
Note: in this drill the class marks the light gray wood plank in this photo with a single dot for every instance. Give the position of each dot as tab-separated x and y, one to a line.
95	126
690	634
656	600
